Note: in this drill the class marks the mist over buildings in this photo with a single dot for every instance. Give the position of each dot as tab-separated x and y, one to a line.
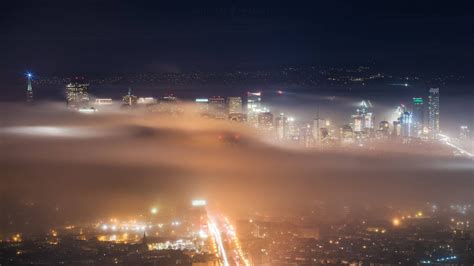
120	162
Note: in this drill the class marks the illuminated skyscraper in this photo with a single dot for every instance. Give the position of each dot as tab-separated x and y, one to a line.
235	105
265	121
202	106
305	134
406	124
281	126
364	118
418	117
29	89
433	114
254	107
318	128
358	123
217	107
293	130
169	104
77	93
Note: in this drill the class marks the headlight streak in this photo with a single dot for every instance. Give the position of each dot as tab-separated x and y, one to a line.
446	139
218	239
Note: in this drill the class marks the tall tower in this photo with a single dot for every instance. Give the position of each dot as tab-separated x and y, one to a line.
254	107
281	125
433	108
235	105
29	90
418	117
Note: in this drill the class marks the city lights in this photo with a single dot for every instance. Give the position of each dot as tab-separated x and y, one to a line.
396	222
229	133
199	203
154	210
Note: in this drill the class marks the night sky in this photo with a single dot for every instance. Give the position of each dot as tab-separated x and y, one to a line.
65	37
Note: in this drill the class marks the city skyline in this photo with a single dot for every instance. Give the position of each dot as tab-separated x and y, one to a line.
224	133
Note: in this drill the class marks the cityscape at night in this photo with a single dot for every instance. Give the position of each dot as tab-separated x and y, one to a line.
233	133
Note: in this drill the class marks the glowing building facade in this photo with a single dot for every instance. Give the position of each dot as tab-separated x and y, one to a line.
318	128
217	107
433	112
406	125
265	121
418	117
254	107
364	118
281	126
234	105
77	93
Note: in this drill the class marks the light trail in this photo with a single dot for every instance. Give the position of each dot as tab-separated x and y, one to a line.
218	239
235	242
447	140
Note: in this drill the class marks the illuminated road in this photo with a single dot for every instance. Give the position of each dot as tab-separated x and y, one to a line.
227	244
447	140
216	235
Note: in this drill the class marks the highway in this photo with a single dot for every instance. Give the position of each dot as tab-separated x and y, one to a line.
229	250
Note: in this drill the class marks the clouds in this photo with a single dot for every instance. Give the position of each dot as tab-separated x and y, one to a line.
55	156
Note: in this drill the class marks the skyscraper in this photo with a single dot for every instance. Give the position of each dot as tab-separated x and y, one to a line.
364	118
433	115
29	90
318	126
253	107
217	107
235	105
76	93
281	126
406	123
265	121
293	130
202	106
418	116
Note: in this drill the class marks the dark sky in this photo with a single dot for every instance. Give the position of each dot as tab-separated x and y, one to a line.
64	37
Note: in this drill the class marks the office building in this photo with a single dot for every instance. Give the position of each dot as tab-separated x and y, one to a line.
281	126
433	112
235	105
217	107
202	106
418	116
318	130
265	121
77	93
254	107
406	125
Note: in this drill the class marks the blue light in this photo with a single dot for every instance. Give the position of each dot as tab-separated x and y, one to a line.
29	75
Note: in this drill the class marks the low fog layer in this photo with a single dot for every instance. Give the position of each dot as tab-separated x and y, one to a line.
121	162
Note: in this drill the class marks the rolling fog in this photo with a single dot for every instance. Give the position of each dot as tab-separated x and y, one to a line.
121	162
